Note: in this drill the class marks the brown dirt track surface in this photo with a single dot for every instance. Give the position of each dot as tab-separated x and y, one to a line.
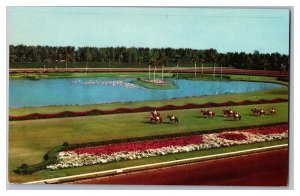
166	69
260	169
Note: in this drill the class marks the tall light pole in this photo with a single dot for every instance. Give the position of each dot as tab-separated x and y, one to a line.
162	72
214	69
202	66
149	71
221	71
177	70
86	67
195	69
154	74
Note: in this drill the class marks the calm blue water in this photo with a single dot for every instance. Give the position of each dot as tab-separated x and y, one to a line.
27	93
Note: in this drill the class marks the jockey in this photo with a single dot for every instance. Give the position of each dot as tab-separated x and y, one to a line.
173	117
155	112
230	111
272	109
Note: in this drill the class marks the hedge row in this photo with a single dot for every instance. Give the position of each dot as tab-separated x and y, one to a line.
50	157
140	109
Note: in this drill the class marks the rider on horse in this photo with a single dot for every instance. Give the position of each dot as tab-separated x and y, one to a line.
172	117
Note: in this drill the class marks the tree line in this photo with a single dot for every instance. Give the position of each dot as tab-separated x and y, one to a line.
145	56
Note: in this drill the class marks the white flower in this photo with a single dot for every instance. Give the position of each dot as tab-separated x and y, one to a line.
71	159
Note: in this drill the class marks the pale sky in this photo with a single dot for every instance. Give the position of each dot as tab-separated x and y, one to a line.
227	30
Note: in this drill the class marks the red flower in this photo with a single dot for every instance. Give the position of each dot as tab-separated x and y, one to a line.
267	130
233	136
140	146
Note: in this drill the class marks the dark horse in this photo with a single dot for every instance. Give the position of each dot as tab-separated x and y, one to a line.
173	120
228	113
237	116
258	112
208	113
153	114
155	118
255	111
272	111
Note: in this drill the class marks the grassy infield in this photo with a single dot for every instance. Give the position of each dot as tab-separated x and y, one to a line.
30	140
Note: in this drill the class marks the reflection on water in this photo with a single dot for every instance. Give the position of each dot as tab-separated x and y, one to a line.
70	91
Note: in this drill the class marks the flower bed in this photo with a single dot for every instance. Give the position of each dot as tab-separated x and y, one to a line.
233	136
140	109
151	148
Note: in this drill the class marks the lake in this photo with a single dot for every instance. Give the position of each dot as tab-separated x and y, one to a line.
72	91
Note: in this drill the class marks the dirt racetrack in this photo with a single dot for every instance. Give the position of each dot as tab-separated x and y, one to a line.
260	169
166	70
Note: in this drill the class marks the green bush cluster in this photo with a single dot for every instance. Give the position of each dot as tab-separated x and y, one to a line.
32	77
49	158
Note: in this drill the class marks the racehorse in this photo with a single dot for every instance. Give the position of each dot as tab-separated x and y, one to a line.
237	116
255	111
153	114
258	112
261	112
207	113
228	113
173	119
272	111
155	119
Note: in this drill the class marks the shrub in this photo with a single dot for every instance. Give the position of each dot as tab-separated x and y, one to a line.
140	109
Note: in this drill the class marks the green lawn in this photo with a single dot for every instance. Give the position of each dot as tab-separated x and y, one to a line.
30	140
167	86
225	77
268	94
230	77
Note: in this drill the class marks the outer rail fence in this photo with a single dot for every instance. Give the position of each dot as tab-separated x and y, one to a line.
140	109
206	70
155	165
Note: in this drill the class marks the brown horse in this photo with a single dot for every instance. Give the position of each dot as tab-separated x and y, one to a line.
173	119
236	116
261	112
228	113
155	119
208	113
258	112
255	111
153	114
272	111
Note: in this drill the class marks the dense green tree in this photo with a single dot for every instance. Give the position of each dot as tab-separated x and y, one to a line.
142	57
